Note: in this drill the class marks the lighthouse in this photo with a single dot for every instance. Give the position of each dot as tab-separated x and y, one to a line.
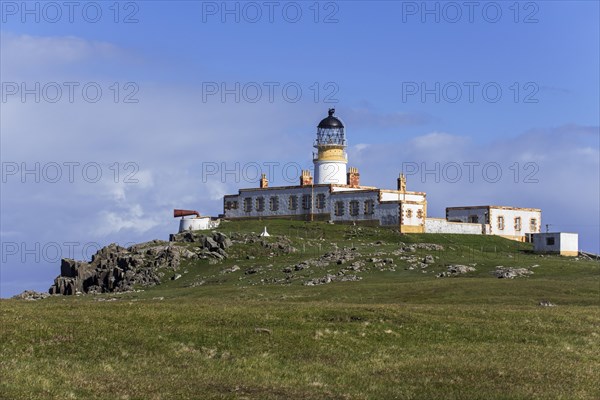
330	159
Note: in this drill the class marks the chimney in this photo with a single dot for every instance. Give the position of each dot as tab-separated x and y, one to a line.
353	177
264	182
306	179
402	183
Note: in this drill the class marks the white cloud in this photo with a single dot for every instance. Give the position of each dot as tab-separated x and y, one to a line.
25	54
133	219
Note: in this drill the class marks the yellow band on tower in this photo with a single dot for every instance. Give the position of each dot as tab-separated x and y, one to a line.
332	154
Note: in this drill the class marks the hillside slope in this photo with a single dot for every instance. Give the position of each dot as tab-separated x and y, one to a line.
319	311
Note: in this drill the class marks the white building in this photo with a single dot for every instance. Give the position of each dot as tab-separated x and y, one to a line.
509	222
195	221
336	194
563	243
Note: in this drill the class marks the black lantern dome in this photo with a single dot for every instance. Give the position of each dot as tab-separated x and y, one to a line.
330	131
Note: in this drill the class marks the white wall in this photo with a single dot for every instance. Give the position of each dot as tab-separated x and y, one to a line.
569	242
509	214
509	221
413	219
440	225
393	196
194	224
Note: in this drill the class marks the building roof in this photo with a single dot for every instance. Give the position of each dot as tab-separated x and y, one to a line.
330	122
494	207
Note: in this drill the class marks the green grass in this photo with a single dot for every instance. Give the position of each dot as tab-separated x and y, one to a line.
395	334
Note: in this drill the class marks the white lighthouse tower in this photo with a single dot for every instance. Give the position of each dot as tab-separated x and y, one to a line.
330	159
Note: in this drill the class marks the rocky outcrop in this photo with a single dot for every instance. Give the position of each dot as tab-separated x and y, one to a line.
30	295
117	269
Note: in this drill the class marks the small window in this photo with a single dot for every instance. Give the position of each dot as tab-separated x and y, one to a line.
321	201
474	219
260	204
420	213
369	209
517	223
409	213
274	203
339	208
235	205
228	205
354	208
247	204
501	223
533	225
293	203
549	241
306	201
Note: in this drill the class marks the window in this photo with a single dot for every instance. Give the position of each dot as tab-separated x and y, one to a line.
231	205
474	219
533	225
293	203
354	208
247	204
501	223
369	208
321	201
409	213
339	208
420	214
274	203
517	223
549	241
260	204
306	201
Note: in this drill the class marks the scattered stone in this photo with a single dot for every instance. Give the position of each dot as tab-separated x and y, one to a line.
230	270
331	278
546	303
455	270
428	259
31	295
175	277
511	273
263	330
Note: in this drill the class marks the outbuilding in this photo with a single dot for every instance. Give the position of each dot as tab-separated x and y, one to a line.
563	243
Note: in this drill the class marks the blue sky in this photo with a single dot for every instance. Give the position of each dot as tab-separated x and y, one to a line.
538	114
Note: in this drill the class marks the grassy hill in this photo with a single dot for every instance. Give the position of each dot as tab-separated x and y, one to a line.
258	331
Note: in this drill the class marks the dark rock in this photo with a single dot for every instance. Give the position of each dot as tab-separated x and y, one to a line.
118	269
